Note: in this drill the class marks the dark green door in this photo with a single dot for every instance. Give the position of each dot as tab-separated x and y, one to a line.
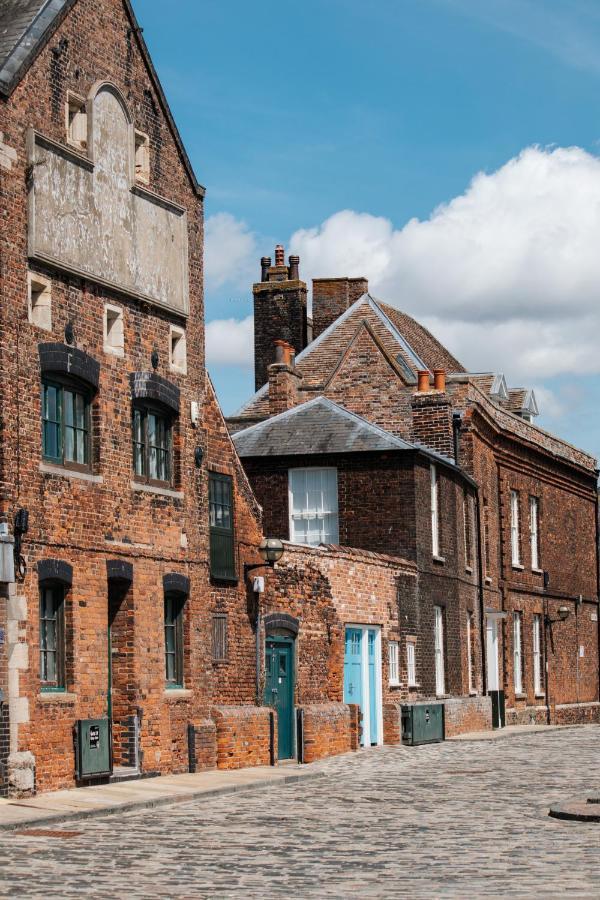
279	690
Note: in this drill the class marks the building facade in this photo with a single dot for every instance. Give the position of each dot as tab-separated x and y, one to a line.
498	516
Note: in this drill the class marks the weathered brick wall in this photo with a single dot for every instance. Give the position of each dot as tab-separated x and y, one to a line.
465	714
85	521
246	736
202	745
432	421
332	297
328	730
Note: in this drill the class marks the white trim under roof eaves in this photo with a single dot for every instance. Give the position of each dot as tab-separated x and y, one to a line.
417	361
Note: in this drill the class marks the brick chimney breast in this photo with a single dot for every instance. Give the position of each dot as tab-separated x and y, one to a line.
284	380
432	415
332	297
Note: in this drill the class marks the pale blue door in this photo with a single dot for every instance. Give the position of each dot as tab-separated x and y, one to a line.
373	717
353	667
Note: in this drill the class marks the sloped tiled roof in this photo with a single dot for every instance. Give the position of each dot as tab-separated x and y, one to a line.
318	426
395	333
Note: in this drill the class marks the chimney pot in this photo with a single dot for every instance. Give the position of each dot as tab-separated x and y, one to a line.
294	270
423	381
279	255
439	379
265	265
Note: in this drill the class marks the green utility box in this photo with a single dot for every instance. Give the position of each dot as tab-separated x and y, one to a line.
93	754
423	723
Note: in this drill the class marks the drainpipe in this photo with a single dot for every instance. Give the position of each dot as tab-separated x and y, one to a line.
257	595
480	577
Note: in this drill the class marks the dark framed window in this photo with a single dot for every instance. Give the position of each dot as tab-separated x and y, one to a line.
174	606
66	424
52	637
152	445
220	498
219	637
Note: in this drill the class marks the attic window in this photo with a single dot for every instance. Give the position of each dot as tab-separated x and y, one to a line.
114	338
39	301
142	158
177	350
76	122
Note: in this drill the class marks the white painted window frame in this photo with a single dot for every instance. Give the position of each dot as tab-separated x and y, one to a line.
534	531
435	512
515	536
411	664
394	663
538	686
292	517
470	652
518	651
440	663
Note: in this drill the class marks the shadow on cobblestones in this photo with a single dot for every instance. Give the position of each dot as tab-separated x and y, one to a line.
449	820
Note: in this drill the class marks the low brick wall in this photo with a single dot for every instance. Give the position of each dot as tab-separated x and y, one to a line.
561	714
329	729
246	736
465	714
392	724
202	744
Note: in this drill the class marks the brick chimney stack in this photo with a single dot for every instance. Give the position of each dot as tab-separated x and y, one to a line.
284	380
279	311
332	297
432	414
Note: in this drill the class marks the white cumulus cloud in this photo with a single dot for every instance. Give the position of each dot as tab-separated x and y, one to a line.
230	341
230	252
507	274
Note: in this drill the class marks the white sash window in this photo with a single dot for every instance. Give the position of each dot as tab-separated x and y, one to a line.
534	517
313	499
411	667
435	525
515	543
537	655
440	677
518	652
394	670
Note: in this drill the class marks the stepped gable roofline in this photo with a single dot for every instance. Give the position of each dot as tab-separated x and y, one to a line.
331	429
26	26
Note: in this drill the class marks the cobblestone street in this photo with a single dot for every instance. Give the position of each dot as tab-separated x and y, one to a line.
449	820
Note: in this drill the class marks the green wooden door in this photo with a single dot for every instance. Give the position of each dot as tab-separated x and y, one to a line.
279	690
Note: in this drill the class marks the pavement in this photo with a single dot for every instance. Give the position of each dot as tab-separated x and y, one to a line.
145	793
457	819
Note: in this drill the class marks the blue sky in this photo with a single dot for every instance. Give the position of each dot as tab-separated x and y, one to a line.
292	113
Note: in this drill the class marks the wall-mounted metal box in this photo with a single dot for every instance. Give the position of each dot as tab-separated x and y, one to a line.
423	723
93	756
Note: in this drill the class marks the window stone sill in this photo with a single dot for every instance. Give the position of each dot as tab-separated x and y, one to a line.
487	579
537	571
441	560
57	697
469	570
517	567
520	696
48	469
153	489
178	693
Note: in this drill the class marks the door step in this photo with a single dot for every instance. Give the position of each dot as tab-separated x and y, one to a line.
124	773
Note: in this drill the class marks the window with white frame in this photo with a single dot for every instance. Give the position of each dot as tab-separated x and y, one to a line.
435	524
468	528
518	651
440	674
394	668
515	542
313	498
537	655
411	665
114	334
534	518
470	651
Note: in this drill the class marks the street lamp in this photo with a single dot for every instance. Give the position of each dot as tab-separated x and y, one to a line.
563	614
270	550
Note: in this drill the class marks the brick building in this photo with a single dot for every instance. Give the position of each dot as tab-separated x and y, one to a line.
130	511
410	455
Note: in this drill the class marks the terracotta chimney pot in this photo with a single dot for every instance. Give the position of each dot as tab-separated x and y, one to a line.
280	351
423	381
439	379
279	255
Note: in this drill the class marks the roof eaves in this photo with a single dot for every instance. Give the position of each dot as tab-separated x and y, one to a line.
414	356
26	48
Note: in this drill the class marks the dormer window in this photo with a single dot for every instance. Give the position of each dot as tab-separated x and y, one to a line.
76	122
142	157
